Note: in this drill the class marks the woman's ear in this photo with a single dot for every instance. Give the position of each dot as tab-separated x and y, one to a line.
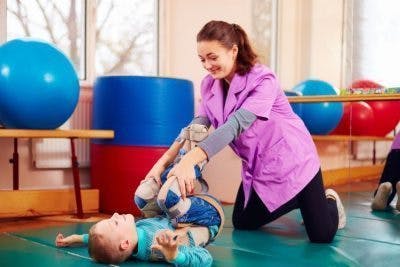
235	50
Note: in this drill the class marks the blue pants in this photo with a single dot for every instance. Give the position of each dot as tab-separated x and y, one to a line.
200	211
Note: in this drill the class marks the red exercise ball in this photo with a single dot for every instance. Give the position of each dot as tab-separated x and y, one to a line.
365	84
358	119
386	113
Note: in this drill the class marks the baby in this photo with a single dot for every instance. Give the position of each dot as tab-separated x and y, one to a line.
177	234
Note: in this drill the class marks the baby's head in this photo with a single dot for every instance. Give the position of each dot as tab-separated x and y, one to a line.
113	240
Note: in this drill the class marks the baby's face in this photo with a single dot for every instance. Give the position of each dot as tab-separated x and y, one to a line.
117	227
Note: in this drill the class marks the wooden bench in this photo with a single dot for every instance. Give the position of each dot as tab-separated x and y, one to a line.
69	134
353	138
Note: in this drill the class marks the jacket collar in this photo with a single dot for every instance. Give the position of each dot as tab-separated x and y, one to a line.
216	100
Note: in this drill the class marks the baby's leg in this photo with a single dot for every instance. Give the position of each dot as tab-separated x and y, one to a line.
146	195
193	210
170	201
203	218
169	198
146	198
200	235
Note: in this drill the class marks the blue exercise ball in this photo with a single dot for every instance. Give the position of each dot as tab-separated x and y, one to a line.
297	107
39	87
320	118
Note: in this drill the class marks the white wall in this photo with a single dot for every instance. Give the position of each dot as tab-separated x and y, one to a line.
309	44
180	22
310	41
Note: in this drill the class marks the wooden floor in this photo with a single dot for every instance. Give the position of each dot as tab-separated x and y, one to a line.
365	186
15	224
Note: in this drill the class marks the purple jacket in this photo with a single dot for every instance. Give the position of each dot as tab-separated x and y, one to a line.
278	155
396	142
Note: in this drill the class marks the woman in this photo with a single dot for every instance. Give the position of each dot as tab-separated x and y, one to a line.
389	183
244	102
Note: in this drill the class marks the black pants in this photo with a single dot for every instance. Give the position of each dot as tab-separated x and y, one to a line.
391	171
320	214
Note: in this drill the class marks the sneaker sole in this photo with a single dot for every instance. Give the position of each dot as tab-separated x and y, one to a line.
341	211
382	196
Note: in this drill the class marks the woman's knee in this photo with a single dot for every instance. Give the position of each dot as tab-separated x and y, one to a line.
325	237
241	223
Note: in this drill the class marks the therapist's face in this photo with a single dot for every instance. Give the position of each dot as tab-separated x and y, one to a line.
219	61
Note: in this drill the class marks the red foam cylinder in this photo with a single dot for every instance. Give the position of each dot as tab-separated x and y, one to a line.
117	171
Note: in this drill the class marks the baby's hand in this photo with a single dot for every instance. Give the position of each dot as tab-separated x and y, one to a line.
62	241
167	244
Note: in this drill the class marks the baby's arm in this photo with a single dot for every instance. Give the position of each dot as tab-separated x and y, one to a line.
193	256
168	244
74	239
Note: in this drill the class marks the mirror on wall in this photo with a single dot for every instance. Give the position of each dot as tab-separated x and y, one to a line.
347	48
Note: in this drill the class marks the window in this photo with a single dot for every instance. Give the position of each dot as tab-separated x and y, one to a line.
125	32
376	41
58	22
126	37
263	21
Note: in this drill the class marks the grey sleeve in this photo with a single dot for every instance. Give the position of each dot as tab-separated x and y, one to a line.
201	120
239	121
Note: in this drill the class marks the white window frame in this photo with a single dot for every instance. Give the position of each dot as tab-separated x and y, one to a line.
3	22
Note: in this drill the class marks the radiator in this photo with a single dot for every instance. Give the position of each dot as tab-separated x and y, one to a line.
56	153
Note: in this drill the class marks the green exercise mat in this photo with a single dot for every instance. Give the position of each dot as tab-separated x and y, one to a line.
369	239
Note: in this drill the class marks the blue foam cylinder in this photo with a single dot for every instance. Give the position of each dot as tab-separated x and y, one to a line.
143	111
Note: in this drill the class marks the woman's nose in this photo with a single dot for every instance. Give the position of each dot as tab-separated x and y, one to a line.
207	65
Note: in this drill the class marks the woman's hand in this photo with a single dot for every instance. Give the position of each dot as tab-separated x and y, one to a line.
185	175
166	159
167	244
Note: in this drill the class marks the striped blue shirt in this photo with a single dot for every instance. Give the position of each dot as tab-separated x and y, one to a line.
188	255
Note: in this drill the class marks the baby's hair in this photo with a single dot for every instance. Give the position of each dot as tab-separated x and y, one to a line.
101	248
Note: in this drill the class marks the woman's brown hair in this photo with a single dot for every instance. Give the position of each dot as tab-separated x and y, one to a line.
229	35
